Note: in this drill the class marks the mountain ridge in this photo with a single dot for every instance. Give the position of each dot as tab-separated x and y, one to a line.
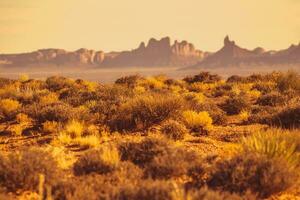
158	53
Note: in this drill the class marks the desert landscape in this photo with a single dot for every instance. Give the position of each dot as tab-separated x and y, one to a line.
201	137
149	100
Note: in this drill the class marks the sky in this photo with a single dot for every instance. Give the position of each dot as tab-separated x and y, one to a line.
28	25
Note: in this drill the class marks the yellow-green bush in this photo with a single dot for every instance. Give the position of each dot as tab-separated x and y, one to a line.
197	122
9	106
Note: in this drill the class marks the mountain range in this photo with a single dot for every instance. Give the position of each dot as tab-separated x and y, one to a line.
159	53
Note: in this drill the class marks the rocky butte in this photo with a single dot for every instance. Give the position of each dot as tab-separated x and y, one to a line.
231	55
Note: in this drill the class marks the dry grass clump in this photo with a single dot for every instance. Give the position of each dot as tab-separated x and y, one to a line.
77	133
261	175
275	143
21	170
197	122
101	161
50	127
173	130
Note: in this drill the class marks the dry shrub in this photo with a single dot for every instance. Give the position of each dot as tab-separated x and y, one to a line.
173	163
92	187
95	186
261	175
142	112
197	122
236	104
236	79
56	83
207	194
23	123
59	112
21	170
141	153
101	161
263	114
173	130
147	190
129	81
288	81
204	77
288	118
264	87
272	99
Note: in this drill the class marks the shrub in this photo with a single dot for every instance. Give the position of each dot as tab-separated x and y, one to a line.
197	122
59	112
287	118
174	163
173	130
264	87
21	170
236	79
56	83
129	81
23	123
235	105
288	81
204	77
144	111
218	115
271	99
9	107
259	174
147	190
207	194
101	161
141	153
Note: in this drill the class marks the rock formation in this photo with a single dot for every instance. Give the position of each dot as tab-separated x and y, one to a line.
231	55
158	53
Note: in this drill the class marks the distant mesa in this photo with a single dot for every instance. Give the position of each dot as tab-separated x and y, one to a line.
231	55
158	53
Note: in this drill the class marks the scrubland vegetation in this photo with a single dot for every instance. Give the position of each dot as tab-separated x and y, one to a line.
200	138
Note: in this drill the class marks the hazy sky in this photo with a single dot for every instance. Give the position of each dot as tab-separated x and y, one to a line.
27	25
